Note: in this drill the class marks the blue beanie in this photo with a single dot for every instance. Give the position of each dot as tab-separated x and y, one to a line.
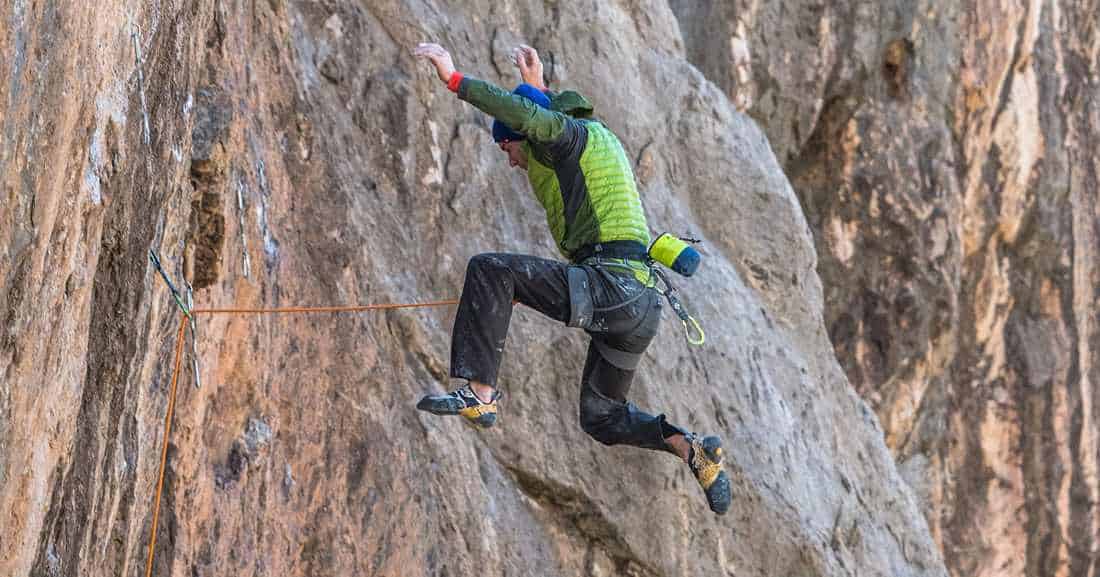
501	131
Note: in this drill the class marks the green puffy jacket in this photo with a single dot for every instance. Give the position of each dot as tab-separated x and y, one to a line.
577	168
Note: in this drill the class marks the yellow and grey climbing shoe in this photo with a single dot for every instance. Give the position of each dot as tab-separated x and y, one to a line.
463	402
705	461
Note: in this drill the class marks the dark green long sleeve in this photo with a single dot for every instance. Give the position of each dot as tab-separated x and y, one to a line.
520	114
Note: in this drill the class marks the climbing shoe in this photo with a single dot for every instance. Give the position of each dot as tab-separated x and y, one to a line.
705	460
463	402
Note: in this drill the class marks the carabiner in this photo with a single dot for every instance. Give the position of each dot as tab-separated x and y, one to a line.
698	329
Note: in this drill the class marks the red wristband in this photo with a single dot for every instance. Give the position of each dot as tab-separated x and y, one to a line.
456	79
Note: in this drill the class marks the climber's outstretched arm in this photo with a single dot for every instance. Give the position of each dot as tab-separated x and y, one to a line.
536	123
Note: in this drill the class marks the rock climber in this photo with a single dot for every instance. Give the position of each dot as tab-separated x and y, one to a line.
581	176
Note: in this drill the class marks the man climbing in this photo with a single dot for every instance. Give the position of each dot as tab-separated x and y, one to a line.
583	179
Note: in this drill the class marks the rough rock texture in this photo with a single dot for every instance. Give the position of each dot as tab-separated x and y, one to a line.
288	152
945	155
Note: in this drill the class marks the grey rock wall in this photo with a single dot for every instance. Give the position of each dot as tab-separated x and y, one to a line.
945	158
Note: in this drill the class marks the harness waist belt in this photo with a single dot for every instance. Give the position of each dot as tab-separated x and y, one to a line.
624	249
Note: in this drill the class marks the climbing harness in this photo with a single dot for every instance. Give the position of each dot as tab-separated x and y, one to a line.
693	331
671	251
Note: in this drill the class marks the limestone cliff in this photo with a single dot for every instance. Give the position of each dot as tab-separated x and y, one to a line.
945	155
287	152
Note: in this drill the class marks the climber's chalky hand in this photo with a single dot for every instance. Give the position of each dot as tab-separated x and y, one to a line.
439	57
530	67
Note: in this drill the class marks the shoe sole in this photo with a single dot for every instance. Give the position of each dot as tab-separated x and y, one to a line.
440	406
448	406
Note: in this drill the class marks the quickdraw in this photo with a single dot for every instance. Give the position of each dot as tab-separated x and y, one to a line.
175	293
690	324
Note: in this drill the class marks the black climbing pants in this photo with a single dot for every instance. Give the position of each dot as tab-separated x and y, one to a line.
624	319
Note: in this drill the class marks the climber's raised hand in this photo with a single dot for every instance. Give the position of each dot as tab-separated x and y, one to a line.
439	57
530	67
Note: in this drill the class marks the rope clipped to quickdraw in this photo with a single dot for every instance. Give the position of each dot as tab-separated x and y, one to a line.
689	322
175	293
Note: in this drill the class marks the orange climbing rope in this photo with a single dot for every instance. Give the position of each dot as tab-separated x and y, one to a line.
179	359
164	449
357	308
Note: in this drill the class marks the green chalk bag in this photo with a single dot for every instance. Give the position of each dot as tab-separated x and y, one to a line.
675	253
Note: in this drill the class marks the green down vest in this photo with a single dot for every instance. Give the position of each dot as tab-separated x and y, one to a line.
605	203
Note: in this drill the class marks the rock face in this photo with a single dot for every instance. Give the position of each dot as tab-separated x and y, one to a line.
945	155
283	153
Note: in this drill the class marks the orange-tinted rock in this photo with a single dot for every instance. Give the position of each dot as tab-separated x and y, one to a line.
362	180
